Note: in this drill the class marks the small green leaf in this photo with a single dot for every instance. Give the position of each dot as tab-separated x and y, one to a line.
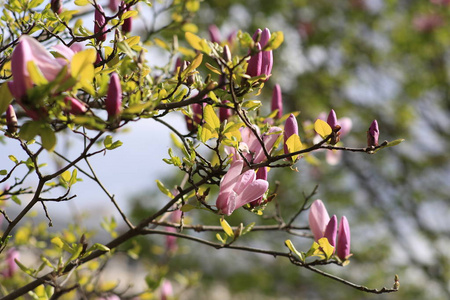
326	247
275	41
226	227
3	172
187	207
248	228
291	247
197	43
322	128
48	137
5	98
221	239
294	144
66	176
163	189
13	158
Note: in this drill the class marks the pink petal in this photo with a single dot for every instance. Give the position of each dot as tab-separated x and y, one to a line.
318	219
253	191
244	180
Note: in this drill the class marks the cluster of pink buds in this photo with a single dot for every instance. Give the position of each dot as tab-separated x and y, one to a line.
261	62
322	225
238	189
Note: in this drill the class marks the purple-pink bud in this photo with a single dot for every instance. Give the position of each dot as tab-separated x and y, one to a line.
114	4
290	128
260	174
332	119
56	6
214	33
225	113
76	106
373	134
255	63
166	290
331	230
11	119
12	266
318	219
267	56
113	100
127	24
100	23
257	35
277	101
343	242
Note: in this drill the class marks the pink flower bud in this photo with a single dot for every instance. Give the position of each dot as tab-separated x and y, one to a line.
100	23
290	128
225	113
343	243
166	290
114	5
277	101
373	134
255	63
214	33
12	266
56	6
267	56
127	24
269	138
331	230
318	219
76	107
11	119
113	100
332	119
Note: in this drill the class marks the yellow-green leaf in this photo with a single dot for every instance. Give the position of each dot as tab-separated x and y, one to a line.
66	176
36	75
210	117
291	247
322	128
161	44
275	41
326	247
163	189
129	14
82	2
82	65
226	227
5	98
294	144
197	43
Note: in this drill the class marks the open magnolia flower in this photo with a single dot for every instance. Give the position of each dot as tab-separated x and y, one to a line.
238	189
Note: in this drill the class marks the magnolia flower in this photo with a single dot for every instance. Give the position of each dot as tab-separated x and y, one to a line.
166	290
171	241
343	243
12	267
56	6
100	23
373	134
113	100
114	4
331	230
260	174
76	106
214	33
318	219
238	189
28	49
250	146
261	63
277	101
127	23
290	128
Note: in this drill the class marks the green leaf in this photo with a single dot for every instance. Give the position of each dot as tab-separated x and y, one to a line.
3	172
29	271
13	158
226	227
73	178
291	247
390	144
82	2
163	189
197	43
322	128
98	246
5	98
48	137
66	176
187	207
276	39
35	73
29	130
221	239
248	228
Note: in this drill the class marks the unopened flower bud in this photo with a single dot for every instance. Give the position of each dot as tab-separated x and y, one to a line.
56	6
113	100
76	106
343	243
332	121
214	33
277	101
11	119
114	4
224	113
290	128
255	63
100	23
373	134
331	230
127	24
227	53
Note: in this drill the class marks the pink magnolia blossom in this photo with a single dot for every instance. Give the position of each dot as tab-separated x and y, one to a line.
214	33
255	63
113	100
238	189
100	23
331	231
260	174
28	49
290	128
127	23
318	219
343	243
373	134
11	265
166	290
76	106
250	146
171	241
277	101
